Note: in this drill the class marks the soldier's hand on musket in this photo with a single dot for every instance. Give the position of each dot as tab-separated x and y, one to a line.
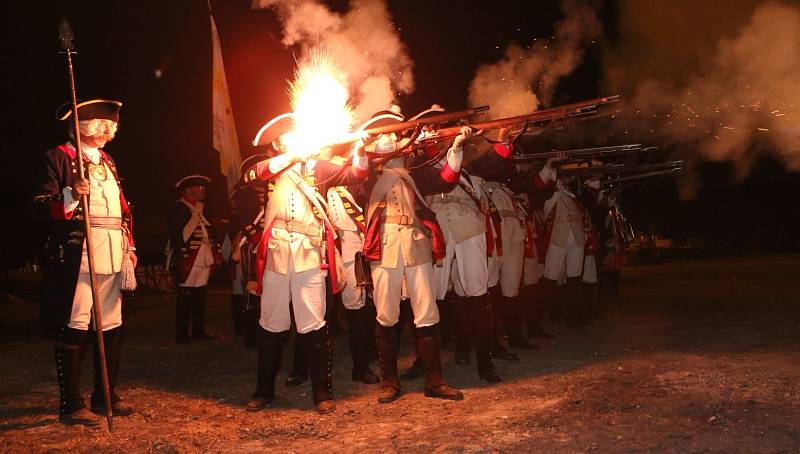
503	135
80	187
358	148
465	133
560	156
251	286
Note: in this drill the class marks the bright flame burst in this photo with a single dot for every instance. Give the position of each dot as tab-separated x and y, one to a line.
319	99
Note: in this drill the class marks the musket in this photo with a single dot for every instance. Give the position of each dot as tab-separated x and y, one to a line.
567	111
625	180
426	121
591	170
66	36
583	153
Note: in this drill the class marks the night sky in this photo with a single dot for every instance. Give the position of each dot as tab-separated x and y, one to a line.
165	128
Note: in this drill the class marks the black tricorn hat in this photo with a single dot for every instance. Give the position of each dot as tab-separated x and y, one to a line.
383	118
274	128
252	160
192	180
90	109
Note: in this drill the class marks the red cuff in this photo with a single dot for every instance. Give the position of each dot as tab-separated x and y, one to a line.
538	183
449	175
361	174
57	211
503	150
262	170
431	151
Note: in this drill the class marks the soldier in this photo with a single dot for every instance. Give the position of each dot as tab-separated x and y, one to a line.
564	236
194	257
247	227
534	309
66	309
462	214
347	216
295	254
402	241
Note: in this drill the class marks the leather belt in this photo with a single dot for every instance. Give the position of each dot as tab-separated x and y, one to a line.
400	219
105	222
447	198
296	226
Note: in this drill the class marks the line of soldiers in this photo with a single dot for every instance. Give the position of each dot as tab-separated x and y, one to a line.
388	227
460	243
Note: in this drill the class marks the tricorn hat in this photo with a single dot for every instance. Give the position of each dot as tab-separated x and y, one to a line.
383	118
274	128
435	109
91	109
192	180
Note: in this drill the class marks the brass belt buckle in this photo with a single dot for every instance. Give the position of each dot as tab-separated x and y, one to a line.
404	220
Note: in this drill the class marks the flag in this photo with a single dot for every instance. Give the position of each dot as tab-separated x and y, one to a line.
225	140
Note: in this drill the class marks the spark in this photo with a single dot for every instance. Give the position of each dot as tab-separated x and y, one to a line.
319	99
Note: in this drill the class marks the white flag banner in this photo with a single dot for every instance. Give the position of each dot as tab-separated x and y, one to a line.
225	140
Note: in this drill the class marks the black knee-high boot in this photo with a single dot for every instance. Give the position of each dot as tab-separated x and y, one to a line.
321	355
112	341
479	311
537	310
574	302
69	351
199	314
495	302
429	349
445	307
252	312
237	313
299	372
360	327
463	324
183	314
270	352
514	318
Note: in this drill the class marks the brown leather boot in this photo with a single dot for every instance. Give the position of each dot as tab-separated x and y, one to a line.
386	344
68	354
430	354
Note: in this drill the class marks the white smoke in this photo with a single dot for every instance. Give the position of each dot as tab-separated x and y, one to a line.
528	76
362	41
743	102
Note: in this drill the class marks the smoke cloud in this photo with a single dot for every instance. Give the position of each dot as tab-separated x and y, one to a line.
742	102
362	41
528	76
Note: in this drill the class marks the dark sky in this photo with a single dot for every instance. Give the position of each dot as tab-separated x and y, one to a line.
165	122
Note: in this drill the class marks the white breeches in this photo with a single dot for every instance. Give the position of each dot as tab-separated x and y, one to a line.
563	262
465	266
506	269
306	292
589	269
110	301
387	290
353	296
532	271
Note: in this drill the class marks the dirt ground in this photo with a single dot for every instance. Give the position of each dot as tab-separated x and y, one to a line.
695	357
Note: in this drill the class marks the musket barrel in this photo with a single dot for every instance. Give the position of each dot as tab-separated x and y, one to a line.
431	120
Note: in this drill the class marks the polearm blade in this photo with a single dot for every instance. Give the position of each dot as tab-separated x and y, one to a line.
66	36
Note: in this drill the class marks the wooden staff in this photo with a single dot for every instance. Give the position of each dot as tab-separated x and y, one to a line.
66	36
